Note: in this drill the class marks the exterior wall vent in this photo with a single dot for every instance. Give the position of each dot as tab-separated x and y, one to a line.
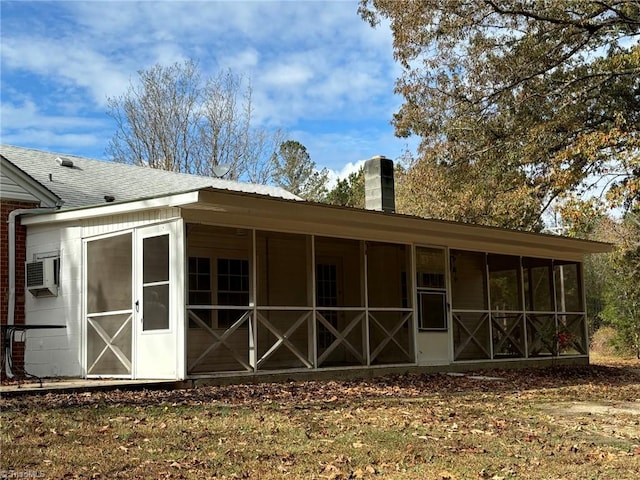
64	162
42	277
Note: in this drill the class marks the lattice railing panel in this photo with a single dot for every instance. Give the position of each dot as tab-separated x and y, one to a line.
471	335
219	349
541	333
390	337
283	339
109	344
342	341
508	335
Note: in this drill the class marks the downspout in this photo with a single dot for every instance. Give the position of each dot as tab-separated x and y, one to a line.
11	305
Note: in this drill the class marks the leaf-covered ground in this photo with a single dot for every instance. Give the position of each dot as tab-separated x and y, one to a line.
556	423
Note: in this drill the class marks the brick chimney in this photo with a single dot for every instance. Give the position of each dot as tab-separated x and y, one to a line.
379	193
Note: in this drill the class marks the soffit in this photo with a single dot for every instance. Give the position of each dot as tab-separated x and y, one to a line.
305	217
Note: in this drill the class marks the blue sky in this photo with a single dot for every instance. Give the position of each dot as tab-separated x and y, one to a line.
318	71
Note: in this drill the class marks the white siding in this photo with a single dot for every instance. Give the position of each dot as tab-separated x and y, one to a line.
56	352
59	352
110	224
10	190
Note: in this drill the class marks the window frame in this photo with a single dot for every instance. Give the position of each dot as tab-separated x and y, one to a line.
423	292
430	289
230	274
209	319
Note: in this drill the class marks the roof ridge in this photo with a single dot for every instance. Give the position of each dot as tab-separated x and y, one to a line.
94	180
131	165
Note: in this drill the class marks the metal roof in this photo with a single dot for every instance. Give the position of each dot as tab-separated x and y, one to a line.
89	181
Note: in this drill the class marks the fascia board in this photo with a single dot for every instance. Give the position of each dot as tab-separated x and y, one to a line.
180	200
360	231
401	227
38	190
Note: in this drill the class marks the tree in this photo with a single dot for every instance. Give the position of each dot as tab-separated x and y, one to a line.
472	193
622	295
294	171
173	119
348	192
520	102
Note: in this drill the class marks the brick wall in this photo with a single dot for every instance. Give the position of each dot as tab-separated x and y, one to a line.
7	206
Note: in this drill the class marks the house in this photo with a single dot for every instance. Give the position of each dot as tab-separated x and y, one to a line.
162	275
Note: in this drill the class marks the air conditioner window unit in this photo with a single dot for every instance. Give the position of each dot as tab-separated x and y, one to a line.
42	277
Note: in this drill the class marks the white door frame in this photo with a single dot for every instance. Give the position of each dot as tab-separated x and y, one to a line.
437	341
155	350
84	326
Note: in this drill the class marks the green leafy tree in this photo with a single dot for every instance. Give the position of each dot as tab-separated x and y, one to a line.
349	191
622	295
294	171
596	275
518	103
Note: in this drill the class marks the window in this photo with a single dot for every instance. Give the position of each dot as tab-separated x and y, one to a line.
568	288
233	288
200	287
431	284
385	264
433	310
155	283
468	280
430	267
537	282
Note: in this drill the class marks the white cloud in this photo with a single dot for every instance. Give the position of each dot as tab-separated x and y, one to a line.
59	63
25	124
243	61
28	116
47	139
315	67
344	172
286	76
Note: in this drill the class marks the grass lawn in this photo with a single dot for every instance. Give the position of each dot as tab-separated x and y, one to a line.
556	423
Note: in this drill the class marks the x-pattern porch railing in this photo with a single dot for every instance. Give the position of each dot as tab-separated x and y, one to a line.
283	338
109	342
390	334
221	340
340	336
247	357
471	332
541	329
573	323
505	331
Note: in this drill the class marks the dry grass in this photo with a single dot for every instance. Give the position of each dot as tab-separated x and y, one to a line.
557	423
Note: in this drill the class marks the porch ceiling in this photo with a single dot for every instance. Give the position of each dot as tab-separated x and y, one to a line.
242	210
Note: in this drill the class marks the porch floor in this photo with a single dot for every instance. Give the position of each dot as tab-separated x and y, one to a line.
77	385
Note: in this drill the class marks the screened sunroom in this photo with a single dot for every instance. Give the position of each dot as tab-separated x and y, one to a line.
231	284
507	306
264	300
242	280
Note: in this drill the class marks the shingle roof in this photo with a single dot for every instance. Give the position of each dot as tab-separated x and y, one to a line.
89	181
